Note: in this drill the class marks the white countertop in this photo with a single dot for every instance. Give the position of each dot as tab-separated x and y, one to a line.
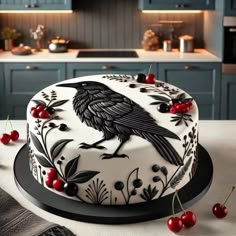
217	137
199	55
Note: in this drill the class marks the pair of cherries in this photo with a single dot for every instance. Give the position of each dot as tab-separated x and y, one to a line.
39	112
187	219
5	138
53	182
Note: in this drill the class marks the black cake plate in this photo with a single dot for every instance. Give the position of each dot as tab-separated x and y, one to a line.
125	214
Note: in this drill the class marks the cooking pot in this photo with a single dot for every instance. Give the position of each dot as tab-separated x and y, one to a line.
58	45
186	43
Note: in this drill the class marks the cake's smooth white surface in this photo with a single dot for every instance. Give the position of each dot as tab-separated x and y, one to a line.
100	180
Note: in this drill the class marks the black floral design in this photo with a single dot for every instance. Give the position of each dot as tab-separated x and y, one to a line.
120	78
181	118
97	192
126	191
149	193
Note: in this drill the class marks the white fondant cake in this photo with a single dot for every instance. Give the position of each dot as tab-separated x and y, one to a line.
107	139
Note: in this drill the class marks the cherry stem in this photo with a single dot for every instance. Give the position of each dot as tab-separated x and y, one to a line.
150	67
228	196
173	204
8	121
177	195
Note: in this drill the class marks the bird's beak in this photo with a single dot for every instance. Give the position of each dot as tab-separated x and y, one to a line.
69	85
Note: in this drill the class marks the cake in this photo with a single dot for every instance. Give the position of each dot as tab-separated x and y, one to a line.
112	140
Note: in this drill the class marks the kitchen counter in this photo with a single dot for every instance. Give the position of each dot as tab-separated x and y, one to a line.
217	137
199	55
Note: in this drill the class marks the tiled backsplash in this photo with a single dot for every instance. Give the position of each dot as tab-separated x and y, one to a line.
104	24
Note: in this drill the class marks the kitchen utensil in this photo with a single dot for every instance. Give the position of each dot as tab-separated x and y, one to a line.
58	45
186	43
167	45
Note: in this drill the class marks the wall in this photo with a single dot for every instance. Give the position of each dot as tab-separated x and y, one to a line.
104	24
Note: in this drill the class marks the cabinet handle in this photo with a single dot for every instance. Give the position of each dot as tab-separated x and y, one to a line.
188	67
27	5
30	67
33	6
107	67
179	5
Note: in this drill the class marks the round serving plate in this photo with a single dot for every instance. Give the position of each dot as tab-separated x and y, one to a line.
122	214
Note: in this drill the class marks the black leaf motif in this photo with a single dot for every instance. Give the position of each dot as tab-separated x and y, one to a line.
58	103
176	180
160	98
40	102
58	146
43	161
71	167
149	193
164	170
155	103
181	97
83	176
37	143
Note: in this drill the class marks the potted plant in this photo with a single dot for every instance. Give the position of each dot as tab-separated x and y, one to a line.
8	35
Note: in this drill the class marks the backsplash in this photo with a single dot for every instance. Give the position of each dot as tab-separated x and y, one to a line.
105	24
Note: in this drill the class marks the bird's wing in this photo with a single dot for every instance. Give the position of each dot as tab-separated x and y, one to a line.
141	120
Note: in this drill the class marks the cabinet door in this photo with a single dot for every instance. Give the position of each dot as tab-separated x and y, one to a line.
23	81
230	8
83	69
2	104
200	80
228	107
176	4
35	5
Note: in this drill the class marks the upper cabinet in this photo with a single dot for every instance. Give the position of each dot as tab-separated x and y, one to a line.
230	8
33	5
176	4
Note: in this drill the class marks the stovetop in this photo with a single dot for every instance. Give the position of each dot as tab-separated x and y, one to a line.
107	53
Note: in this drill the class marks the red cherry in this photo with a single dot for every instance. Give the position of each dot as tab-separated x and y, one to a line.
32	108
40	108
14	135
175	224
219	210
173	110
34	113
189	219
150	79
43	114
52	174
58	185
5	138
48	182
189	104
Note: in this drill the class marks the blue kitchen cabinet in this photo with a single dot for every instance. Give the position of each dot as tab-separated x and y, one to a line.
228	103
200	80
230	8
83	69
33	5
22	81
176	4
2	105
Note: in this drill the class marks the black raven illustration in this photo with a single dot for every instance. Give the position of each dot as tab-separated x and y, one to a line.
114	114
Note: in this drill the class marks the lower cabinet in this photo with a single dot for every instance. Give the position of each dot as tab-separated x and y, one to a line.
228	107
83	69
200	80
22	81
2	96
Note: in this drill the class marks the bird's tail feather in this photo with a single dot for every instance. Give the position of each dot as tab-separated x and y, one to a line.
163	146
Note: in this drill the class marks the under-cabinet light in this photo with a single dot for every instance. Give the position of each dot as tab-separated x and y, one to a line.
36	11
172	11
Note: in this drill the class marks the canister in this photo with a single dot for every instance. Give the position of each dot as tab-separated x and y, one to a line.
186	43
167	45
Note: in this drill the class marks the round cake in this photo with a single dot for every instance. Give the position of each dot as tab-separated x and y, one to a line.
112	140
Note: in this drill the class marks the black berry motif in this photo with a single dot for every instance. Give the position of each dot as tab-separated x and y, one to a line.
140	78
155	168
62	127
71	189
137	183
163	108
120	78
119	185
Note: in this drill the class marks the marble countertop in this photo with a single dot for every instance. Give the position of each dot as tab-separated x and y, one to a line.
217	137
199	55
